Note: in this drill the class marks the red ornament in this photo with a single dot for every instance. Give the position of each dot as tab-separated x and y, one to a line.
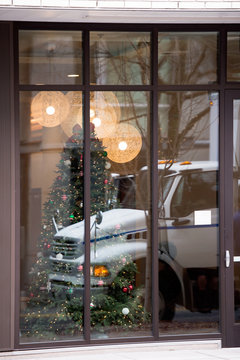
59	178
105	181
46	245
31	294
130	287
64	197
124	289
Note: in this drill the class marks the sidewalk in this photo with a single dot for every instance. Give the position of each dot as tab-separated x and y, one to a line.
189	350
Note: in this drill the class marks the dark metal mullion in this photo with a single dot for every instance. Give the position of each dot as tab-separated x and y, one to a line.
221	179
228	273
47	87
50	87
87	190
16	186
154	183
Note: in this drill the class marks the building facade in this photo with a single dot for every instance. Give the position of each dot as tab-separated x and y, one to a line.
119	172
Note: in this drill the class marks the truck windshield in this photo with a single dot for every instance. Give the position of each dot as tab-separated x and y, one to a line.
164	185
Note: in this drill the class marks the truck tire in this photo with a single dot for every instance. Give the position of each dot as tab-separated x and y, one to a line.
166	308
169	289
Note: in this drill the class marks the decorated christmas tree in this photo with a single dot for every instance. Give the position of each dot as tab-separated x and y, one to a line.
59	314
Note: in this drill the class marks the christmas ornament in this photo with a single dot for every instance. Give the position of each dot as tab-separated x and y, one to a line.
107	165
105	181
64	197
100	282
92	305
130	287
124	289
67	162
125	311
80	267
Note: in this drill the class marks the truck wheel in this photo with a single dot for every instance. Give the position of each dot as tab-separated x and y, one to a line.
166	308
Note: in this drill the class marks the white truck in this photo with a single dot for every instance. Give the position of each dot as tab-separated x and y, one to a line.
187	243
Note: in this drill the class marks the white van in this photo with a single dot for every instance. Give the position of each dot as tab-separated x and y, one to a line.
188	240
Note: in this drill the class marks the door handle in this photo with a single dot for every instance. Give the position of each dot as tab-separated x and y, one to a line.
227	258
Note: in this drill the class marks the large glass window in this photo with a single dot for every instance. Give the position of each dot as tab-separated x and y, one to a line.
50	57
120	227
51	148
117	99
187	58
120	58
233	56
236	205
188	211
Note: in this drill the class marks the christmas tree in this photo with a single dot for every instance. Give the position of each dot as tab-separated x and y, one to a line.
63	313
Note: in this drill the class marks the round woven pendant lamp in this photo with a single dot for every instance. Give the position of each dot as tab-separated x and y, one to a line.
111	99
124	144
102	115
75	112
49	108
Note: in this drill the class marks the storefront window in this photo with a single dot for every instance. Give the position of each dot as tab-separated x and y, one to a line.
188	212
187	58
120	58
120	228
50	57
51	146
116	98
233	56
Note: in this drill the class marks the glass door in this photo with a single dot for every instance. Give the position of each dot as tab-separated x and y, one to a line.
232	218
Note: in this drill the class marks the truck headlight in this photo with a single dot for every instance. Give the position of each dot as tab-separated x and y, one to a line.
100	271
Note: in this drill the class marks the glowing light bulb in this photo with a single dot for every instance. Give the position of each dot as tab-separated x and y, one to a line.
50	110
122	145
97	121
92	113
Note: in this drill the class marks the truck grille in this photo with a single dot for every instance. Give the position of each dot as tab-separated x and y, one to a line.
69	248
62	267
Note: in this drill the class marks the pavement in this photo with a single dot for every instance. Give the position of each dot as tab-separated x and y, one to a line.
182	350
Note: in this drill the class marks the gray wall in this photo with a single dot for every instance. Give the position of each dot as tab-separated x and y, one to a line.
6	214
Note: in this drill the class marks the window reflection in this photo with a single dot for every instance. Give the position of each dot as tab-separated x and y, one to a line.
187	58
121	241
188	212
120	58
236	207
50	57
51	200
233	68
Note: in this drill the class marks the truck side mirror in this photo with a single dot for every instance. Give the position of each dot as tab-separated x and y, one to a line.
99	218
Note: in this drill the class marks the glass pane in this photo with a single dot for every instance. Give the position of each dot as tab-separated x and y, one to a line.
188	212
51	202
120	58
187	58
50	57
121	218
236	205
233	56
